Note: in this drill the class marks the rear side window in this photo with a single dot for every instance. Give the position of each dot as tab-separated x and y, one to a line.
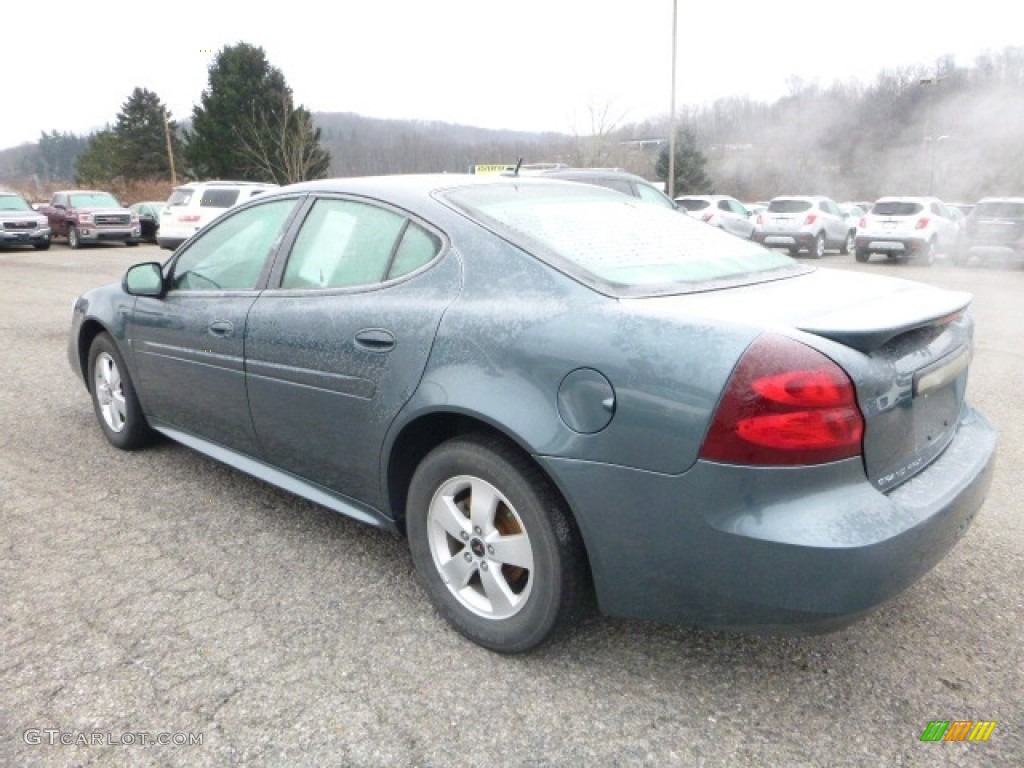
344	243
692	205
789	206
180	196
896	208
218	198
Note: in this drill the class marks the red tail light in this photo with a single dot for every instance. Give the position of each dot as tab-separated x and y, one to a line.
708	217
863	223
811	218
785	404
189	217
760	220
922	223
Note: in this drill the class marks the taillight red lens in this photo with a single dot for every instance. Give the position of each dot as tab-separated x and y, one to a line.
760	220
189	217
922	223
708	217
811	218
785	404
863	223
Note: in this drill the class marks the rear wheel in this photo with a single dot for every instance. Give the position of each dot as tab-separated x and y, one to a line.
848	243
927	257
494	545
818	246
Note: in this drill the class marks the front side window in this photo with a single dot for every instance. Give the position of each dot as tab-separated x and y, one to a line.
230	254
345	243
651	195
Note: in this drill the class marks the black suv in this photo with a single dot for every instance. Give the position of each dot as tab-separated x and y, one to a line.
994	229
614	178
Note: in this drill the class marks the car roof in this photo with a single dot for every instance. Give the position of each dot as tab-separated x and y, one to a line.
568	173
223	183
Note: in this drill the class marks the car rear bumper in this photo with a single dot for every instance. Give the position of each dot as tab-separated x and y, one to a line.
796	550
169	242
889	244
784	239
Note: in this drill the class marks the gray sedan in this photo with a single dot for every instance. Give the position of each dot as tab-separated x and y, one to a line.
559	393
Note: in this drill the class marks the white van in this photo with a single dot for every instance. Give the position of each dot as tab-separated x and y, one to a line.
194	205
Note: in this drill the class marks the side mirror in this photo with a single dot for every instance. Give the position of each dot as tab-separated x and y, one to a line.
146	279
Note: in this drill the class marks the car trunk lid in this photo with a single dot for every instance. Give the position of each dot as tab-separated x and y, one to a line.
907	347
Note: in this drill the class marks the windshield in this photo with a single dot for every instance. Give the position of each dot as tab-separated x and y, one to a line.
617	244
998	210
13	203
789	206
94	200
896	208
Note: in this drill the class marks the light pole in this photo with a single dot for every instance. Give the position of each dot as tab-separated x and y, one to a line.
928	82
672	113
934	147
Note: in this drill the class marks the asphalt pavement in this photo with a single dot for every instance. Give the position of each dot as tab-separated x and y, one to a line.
160	609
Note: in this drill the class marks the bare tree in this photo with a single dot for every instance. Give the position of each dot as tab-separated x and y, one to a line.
282	143
598	148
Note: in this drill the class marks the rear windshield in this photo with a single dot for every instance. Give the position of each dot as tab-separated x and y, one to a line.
692	205
998	210
618	245
13	203
789	206
896	208
218	198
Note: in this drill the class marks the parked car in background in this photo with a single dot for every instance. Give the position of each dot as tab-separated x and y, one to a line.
87	216
194	205
149	218
805	223
554	390
720	211
907	228
20	224
613	178
993	230
853	211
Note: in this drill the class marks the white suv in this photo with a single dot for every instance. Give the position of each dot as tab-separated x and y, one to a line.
805	223
720	211
194	205
907	227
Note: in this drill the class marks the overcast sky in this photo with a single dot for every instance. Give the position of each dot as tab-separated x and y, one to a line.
522	64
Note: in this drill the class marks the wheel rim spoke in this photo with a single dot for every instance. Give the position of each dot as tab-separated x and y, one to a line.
512	550
458	571
483	502
503	601
450	518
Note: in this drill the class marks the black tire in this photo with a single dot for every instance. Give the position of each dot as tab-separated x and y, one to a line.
848	243
817	249
520	560
131	243
113	397
42	246
73	241
927	257
862	255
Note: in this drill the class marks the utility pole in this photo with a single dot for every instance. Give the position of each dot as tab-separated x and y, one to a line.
170	149
672	112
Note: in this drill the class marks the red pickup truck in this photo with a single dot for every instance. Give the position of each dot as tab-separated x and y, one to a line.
88	216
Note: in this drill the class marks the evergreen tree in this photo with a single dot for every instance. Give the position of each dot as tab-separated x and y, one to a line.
141	136
690	163
56	155
98	163
246	104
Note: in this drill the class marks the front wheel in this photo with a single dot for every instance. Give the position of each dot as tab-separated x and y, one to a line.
494	545
73	241
43	246
862	255
113	397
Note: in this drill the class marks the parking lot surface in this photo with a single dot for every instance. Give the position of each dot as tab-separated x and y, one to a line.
159	609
